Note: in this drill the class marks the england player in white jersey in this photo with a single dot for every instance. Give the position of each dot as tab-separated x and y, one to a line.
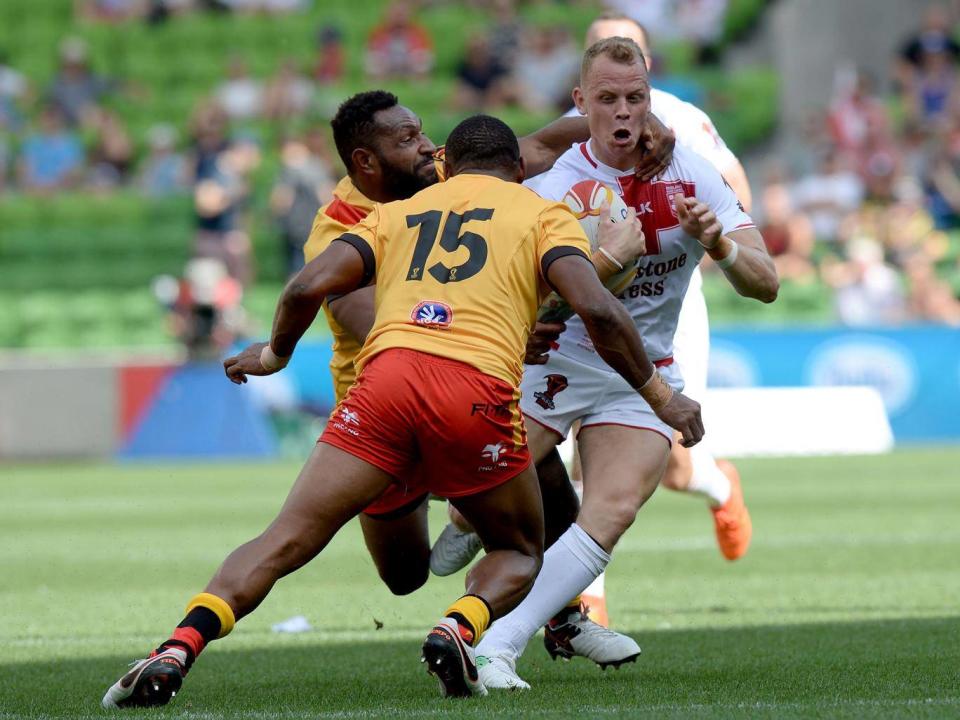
694	470
624	447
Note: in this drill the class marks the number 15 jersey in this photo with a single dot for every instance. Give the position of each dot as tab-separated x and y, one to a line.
460	270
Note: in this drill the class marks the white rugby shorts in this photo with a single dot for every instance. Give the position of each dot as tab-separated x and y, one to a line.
563	391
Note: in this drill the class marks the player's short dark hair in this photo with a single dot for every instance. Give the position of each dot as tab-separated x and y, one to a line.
482	141
354	124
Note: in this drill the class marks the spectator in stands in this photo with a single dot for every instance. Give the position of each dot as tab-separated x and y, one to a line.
788	234
14	91
164	171
399	47
206	314
506	33
110	10
306	181
51	159
331	56
548	65
76	89
929	298
240	95
112	155
209	138
855	112
828	195
934	36
288	94
868	290
482	82
701	22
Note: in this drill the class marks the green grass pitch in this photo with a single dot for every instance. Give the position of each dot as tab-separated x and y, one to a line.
847	606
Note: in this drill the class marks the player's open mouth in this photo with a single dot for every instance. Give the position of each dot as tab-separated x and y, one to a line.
621	136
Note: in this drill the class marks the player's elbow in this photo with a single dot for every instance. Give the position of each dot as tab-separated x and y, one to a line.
768	289
601	315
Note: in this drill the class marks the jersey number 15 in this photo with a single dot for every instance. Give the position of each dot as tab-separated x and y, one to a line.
450	240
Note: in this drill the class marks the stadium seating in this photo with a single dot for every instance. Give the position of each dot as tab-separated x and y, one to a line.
76	267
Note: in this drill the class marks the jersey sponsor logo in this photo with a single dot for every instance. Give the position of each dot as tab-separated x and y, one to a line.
555	384
432	313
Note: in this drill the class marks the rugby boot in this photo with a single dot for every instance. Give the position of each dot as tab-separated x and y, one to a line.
499	672
572	633
451	660
150	682
732	519
453	550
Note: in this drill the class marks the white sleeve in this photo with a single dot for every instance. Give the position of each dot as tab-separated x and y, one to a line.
695	130
550	185
713	190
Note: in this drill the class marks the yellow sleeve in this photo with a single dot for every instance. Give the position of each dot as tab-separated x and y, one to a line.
560	235
364	237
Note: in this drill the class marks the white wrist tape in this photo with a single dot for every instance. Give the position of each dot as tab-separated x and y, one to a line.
270	360
609	256
730	258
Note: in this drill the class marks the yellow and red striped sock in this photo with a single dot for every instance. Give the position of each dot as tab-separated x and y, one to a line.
472	614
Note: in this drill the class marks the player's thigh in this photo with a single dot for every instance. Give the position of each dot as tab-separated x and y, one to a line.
621	468
399	544
332	488
508	516
541	440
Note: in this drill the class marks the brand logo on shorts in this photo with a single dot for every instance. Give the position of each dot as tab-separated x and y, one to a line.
432	313
492	453
555	384
346	420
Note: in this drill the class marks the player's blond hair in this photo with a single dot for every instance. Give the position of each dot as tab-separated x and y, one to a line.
619	49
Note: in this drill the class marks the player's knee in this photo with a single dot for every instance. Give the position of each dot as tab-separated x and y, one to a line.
406	580
679	470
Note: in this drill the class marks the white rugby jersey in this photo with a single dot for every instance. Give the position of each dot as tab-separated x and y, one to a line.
664	272
691	125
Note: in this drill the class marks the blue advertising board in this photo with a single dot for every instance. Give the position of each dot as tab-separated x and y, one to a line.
916	369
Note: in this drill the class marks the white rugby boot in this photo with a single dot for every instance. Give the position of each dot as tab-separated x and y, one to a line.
572	633
499	672
453	550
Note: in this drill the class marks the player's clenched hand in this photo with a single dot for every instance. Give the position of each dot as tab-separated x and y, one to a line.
683	415
624	239
540	340
658	142
698	220
247	362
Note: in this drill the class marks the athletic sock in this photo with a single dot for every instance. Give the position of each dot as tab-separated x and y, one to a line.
569	566
708	479
472	614
208	618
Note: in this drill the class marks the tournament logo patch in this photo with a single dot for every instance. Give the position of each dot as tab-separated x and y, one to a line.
432	313
672	188
555	384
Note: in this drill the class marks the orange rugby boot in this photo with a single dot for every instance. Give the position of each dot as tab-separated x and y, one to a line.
732	519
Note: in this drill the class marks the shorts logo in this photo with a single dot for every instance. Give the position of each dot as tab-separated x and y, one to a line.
432	313
346	420
492	452
555	384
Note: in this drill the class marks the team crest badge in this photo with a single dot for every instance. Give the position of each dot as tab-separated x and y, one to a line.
555	384
673	188
431	313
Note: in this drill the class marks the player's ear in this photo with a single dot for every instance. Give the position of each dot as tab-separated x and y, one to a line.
364	161
578	100
448	171
521	170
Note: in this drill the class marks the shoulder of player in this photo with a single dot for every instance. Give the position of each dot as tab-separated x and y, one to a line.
674	111
690	166
554	183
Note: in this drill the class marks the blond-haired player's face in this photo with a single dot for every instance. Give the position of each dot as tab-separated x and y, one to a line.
615	97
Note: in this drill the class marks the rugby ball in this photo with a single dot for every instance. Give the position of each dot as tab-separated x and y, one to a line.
585	199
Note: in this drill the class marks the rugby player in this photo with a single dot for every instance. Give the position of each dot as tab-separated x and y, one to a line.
693	470
388	157
624	449
461	269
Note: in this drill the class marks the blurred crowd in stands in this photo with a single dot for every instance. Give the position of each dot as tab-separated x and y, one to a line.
868	204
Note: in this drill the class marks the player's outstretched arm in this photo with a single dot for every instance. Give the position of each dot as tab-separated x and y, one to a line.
741	254
338	269
617	341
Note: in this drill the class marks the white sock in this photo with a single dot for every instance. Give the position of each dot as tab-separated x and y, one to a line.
708	480
569	565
